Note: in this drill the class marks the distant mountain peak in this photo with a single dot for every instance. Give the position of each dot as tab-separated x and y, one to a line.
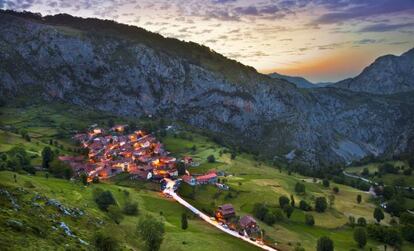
388	74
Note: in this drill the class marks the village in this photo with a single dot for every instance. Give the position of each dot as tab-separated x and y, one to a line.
117	149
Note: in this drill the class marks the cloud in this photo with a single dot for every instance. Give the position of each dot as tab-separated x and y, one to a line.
351	10
384	27
369	41
223	1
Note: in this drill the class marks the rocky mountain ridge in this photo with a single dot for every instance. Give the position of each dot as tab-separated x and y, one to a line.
386	75
56	58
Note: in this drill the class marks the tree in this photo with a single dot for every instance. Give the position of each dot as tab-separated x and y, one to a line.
115	213
362	222
359	198
103	198
292	201
300	188
303	205
233	155
335	190
283	200
325	244
84	178
181	168
309	220
269	219
321	204
260	210
111	123
47	157
360	236
325	182
184	221
388	192
365	172
288	209
378	214
394	207
105	242
211	159
60	169
130	208
151	231
408	232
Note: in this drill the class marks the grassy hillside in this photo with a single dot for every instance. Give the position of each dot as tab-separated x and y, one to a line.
75	195
251	181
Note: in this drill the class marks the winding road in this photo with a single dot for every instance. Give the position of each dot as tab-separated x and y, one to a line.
169	189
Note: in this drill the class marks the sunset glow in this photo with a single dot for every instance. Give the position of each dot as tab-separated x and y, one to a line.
321	40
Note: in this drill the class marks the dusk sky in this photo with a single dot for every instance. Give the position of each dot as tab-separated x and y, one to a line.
322	40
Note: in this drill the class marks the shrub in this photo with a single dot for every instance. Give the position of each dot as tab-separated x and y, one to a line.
378	214
325	182
103	198
361	222
105	242
184	221
321	204
360	236
303	205
335	190
325	244
288	209
309	220
130	208
283	200
151	232
60	169
115	213
211	159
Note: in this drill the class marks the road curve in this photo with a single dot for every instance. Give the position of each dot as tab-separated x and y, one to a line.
170	191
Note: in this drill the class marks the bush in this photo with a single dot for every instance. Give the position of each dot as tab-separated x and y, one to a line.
130	208
211	159
184	221
321	204
325	183
283	200
387	235
325	244
360	236
335	190
288	209
361	222
103	198
105	242
309	220
60	169
151	232
115	213
303	205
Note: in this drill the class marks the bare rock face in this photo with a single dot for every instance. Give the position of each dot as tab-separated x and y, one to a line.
387	75
128	77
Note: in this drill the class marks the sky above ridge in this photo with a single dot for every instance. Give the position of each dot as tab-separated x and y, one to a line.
322	40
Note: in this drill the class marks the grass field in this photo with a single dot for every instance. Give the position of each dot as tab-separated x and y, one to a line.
254	182
388	178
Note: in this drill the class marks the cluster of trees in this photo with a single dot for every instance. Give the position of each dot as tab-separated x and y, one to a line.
16	159
106	202
149	229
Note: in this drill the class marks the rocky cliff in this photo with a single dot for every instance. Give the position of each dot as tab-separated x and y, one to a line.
387	75
128	71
